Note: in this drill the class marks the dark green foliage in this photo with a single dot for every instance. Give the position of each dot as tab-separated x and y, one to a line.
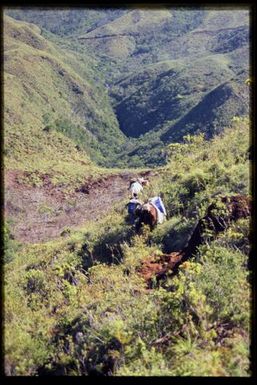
214	110
169	78
10	246
224	280
174	234
78	305
231	40
220	167
65	22
88	311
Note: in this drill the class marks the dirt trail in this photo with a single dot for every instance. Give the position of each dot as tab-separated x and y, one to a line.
156	268
39	214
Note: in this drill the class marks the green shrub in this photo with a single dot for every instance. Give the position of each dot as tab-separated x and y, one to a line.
173	234
35	282
224	281
10	246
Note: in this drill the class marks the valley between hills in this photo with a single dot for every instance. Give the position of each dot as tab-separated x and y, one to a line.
92	99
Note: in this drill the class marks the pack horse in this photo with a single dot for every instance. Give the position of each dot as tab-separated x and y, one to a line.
150	213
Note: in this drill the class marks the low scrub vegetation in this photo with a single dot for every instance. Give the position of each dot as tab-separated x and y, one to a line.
79	306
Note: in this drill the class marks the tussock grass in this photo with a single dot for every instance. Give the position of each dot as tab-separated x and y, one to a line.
73	302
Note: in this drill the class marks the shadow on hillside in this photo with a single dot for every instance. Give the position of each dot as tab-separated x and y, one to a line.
108	248
219	217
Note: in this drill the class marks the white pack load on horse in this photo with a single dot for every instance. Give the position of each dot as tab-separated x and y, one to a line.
160	208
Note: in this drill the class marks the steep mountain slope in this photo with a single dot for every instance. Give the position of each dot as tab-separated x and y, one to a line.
48	90
66	21
192	63
158	94
220	30
119	38
81	304
162	68
213	112
202	60
150	36
76	299
138	37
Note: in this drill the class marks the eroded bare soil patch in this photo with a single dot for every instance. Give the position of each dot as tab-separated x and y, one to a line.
39	214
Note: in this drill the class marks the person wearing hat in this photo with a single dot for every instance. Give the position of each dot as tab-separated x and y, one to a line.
135	187
132	205
143	181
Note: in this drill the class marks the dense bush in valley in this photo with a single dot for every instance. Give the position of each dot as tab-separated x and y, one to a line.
125	82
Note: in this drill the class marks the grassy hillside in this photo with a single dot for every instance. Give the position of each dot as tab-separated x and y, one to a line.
162	70
65	22
164	78
79	305
158	94
174	98
125	88
52	94
215	109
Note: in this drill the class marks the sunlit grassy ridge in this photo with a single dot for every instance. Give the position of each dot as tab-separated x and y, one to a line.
168	72
220	166
66	21
197	90
48	91
77	305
